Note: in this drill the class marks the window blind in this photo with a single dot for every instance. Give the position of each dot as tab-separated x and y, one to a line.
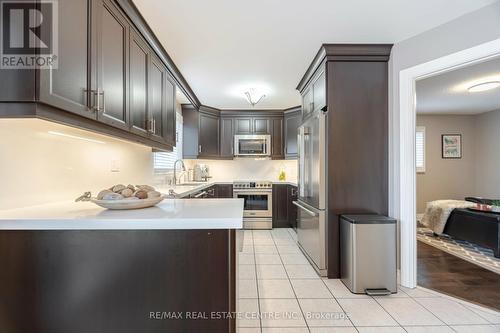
420	149
165	161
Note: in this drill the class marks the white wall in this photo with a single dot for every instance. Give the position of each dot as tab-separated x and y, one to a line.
248	169
488	155
37	167
462	33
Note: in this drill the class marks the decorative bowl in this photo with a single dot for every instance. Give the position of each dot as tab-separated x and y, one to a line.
128	203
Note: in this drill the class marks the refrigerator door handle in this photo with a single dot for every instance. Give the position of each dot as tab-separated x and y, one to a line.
308	211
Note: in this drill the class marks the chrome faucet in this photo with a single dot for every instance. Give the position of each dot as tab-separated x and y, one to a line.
175	169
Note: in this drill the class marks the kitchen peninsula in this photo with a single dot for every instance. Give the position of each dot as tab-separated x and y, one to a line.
75	267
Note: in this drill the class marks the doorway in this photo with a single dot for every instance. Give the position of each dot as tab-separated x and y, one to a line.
406	180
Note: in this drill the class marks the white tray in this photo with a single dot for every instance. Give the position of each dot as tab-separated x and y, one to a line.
128	203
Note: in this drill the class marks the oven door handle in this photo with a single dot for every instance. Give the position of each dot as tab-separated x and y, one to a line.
308	211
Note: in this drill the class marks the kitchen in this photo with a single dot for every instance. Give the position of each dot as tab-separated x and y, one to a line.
250	201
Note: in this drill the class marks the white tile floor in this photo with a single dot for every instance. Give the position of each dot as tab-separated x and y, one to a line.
279	292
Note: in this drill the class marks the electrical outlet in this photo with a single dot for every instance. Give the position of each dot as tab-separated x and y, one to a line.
115	165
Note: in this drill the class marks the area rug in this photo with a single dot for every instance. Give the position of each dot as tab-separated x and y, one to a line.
468	251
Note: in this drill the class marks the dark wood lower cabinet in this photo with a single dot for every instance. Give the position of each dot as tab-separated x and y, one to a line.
292	209
224	190
280	206
124	281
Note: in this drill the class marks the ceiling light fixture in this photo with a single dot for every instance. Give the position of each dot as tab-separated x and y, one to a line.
484	86
75	137
254	97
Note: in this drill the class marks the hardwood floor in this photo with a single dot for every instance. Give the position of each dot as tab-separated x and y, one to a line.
448	274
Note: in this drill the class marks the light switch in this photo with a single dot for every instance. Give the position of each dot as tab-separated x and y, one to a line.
115	165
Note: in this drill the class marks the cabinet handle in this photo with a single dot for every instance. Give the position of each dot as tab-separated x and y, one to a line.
103	101
93	94
200	194
86	95
154	126
199	148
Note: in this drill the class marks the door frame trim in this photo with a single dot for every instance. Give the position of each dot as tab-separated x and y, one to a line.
406	182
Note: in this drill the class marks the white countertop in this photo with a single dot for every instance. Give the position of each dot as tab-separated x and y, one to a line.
169	214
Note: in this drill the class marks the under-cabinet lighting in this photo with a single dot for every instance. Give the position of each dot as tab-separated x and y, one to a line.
484	86
75	137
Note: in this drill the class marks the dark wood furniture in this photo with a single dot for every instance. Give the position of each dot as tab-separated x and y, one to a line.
349	82
209	132
117	281
284	212
480	228
446	273
224	190
292	120
292	209
215	191
280	206
113	77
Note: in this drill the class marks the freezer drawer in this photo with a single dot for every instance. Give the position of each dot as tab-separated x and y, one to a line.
311	234
368	253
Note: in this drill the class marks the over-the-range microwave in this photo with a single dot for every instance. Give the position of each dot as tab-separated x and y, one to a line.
252	145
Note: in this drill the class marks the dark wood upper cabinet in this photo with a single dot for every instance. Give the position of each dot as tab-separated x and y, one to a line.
261	126
170	116
190	135
292	121
277	138
208	146
314	97
307	102
226	137
243	126
139	63
68	86
113	77
111	92
319	92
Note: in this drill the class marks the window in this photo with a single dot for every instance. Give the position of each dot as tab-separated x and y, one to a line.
163	162
420	149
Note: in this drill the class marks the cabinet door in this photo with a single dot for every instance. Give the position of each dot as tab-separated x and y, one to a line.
307	102
156	98
170	115
292	122
209	135
138	69
261	126
226	138
280	206
277	138
111	99
224	191
190	132
68	86
243	126
319	92
292	209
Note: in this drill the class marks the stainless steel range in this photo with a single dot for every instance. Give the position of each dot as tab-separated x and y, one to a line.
258	206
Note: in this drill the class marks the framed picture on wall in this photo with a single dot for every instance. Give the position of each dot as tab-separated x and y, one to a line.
451	145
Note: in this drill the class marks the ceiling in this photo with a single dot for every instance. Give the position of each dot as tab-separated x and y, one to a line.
448	93
224	47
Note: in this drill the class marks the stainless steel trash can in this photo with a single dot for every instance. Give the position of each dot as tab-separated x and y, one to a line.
368	254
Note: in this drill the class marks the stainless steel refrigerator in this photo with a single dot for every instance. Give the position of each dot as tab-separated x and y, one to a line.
312	187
